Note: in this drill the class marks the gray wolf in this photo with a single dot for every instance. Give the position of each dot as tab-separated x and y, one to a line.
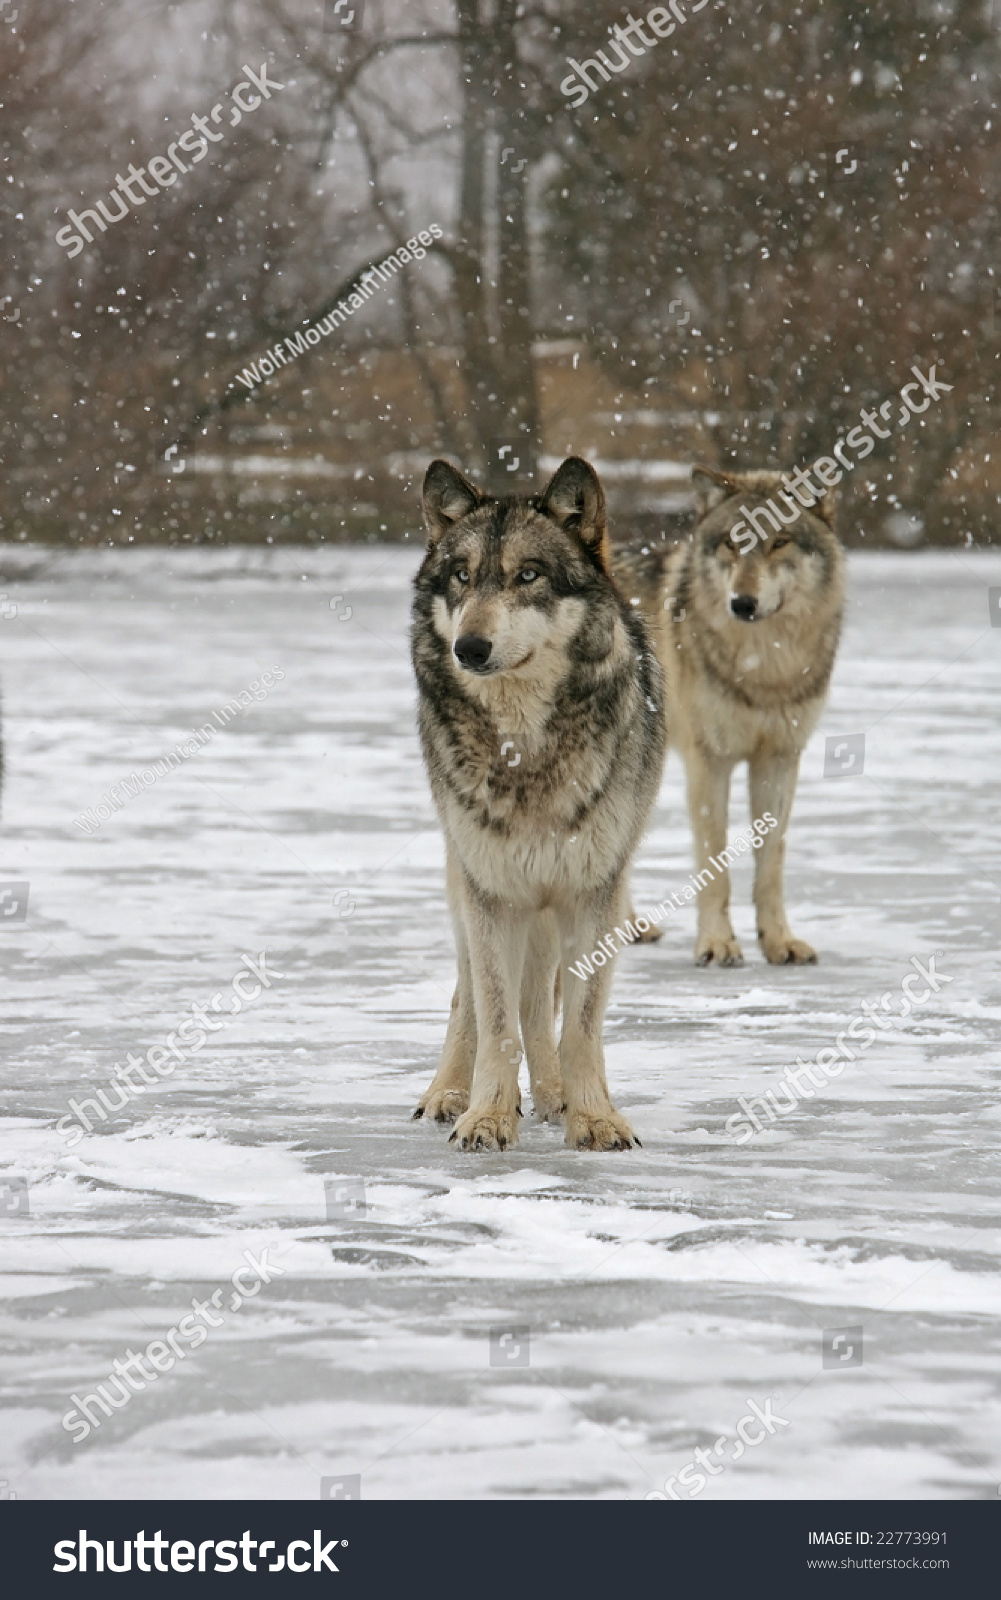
542	726
747	640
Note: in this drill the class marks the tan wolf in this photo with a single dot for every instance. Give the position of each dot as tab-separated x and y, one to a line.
748	642
542	726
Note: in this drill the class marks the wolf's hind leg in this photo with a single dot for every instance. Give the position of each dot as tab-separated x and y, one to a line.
540	994
773	788
708	807
448	1095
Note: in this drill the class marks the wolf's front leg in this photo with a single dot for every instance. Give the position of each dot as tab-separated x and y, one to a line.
773	788
540	990
708	806
496	936
591	1120
448	1095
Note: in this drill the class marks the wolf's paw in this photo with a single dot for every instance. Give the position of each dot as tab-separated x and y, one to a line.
442	1105
782	950
725	952
548	1102
604	1130
489	1129
652	934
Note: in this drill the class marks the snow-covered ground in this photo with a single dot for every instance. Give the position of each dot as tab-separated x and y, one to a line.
663	1288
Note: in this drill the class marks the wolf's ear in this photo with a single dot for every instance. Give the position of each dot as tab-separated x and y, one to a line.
575	500
712	487
447	496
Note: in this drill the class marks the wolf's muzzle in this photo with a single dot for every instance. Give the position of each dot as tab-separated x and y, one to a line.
472	652
744	606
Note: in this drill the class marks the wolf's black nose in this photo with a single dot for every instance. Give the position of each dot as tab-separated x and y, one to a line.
743	606
472	652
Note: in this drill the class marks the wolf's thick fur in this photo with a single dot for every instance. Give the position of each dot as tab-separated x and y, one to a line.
747	689
541	721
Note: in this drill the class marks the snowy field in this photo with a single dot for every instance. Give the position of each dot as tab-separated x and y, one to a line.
663	1288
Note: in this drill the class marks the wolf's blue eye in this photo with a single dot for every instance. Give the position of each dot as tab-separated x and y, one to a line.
462	573
527	575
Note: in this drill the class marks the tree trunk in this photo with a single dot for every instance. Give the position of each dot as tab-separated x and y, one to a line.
491	252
